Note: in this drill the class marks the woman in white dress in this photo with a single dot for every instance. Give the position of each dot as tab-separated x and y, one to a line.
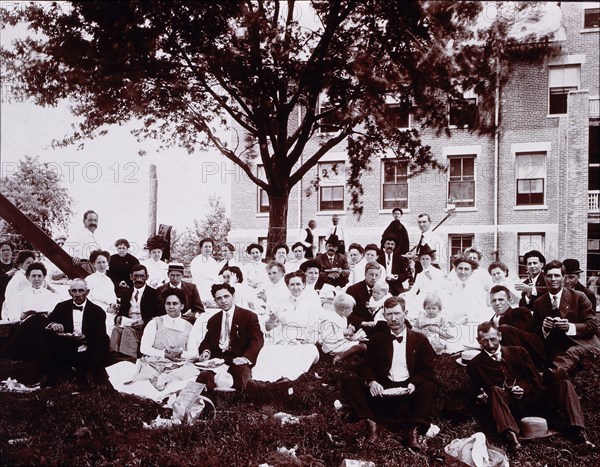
19	281
102	289
255	270
204	268
156	267
166	365
291	332
465	304
429	280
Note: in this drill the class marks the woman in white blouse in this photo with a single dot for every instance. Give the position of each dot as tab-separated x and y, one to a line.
166	365
102	289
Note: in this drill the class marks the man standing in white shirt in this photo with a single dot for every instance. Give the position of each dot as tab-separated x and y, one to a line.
82	242
435	242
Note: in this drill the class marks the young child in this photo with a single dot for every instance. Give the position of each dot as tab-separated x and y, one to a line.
339	338
431	323
381	292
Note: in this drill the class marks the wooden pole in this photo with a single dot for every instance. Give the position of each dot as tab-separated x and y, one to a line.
153	201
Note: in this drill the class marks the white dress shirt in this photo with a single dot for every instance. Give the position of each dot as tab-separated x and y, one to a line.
399	369
81	243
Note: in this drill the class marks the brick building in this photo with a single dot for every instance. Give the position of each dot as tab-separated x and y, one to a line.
536	187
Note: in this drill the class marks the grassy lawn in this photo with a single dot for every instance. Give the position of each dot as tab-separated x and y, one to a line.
60	426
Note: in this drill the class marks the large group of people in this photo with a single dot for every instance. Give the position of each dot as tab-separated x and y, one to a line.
243	322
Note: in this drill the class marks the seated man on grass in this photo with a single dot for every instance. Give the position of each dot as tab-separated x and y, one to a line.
396	358
512	388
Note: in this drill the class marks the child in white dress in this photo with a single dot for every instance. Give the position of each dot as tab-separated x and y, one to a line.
432	323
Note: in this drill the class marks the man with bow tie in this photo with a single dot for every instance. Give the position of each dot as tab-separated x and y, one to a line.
566	322
75	337
192	296
512	388
396	358
234	335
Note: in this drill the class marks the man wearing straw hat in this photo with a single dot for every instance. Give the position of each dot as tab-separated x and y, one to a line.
192	296
512	388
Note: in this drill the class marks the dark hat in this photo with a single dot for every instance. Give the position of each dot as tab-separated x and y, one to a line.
297	244
534	253
176	267
389	236
426	250
332	240
156	241
572	266
250	247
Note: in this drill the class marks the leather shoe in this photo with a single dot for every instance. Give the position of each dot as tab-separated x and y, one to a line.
580	437
415	442
372	430
512	440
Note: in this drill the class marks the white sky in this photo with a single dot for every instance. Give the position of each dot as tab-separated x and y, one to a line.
108	175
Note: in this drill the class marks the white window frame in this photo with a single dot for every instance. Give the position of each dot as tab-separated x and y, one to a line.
260	173
323	101
469	96
393	103
527	244
592	6
518	149
474	181
383	162
332	181
566	83
531	170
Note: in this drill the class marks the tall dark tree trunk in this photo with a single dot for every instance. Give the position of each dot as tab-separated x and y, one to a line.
278	211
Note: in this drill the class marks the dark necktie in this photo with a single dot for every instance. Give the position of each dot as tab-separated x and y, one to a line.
420	244
555	305
399	339
137	296
78	307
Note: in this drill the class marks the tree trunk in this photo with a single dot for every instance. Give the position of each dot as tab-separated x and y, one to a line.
278	211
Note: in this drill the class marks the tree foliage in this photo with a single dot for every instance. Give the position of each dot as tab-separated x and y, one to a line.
186	70
216	225
36	190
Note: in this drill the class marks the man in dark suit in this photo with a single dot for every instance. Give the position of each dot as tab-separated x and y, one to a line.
234	335
516	325
396	358
572	272
75	336
192	296
139	304
534	286
512	388
397	267
334	266
361	292
566	322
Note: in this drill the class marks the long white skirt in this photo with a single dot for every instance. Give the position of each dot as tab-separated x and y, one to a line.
276	361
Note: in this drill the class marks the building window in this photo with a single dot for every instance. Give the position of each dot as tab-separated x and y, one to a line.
562	80
263	197
531	178
398	115
594	159
395	184
461	185
591	18
463	114
332	185
328	123
459	243
528	242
